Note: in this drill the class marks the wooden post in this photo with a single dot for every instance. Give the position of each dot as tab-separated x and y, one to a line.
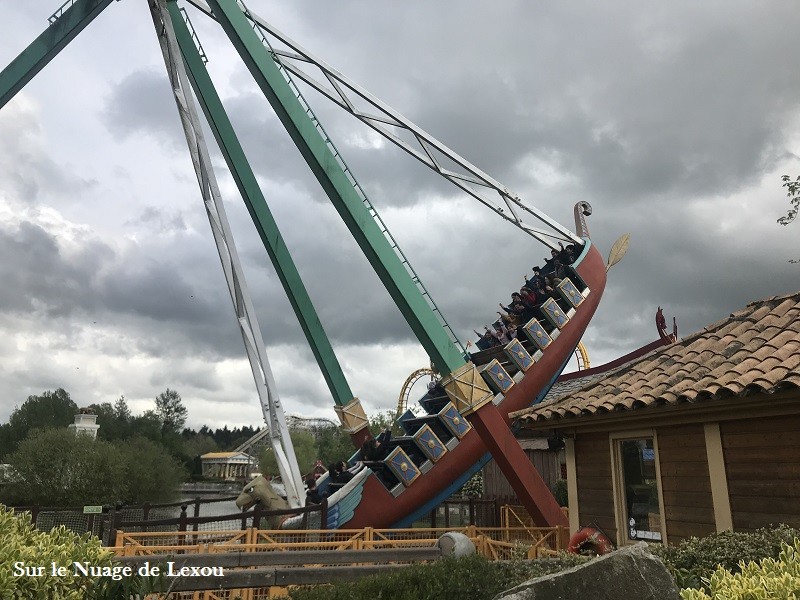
182	524
369	537
116	517
562	538
196	513
323	514
105	526
118	538
472	511
257	515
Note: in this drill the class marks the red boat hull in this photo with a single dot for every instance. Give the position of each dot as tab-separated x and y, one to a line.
379	508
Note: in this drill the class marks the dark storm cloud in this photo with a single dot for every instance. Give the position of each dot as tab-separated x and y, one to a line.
669	118
270	151
40	277
142	102
93	281
634	106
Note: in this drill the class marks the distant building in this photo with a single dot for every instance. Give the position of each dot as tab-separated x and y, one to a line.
230	466
85	423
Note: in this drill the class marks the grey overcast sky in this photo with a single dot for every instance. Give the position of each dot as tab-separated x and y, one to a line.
674	119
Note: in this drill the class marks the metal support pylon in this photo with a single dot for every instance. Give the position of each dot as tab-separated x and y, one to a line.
254	344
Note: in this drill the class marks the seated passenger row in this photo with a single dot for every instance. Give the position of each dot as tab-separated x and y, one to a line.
538	288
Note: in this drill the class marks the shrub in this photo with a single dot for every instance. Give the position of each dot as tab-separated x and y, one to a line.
768	579
149	472
21	542
696	559
446	579
55	467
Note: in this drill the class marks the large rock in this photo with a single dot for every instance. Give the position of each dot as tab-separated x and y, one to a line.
628	574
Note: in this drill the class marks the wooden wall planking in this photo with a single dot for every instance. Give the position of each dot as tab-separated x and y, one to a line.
762	462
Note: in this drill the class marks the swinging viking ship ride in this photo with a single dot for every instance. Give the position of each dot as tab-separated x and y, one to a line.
464	420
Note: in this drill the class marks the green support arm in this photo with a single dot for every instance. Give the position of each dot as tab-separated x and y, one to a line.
444	354
63	28
259	211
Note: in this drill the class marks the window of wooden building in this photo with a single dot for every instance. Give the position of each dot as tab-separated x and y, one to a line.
638	502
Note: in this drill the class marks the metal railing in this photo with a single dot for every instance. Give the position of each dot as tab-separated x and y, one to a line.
60	11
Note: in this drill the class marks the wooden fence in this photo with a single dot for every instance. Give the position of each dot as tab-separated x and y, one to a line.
315	557
495	543
320	556
251	574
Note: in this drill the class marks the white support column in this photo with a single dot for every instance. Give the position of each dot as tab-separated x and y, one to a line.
572	484
271	407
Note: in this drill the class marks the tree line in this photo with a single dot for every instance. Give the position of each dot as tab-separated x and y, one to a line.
135	458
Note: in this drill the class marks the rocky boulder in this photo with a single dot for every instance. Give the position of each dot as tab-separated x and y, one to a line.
631	573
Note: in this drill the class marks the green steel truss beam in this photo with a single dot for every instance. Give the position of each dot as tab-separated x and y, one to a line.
444	354
65	24
259	210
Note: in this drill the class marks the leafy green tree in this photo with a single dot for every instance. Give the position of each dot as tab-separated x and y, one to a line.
199	444
56	467
148	425
50	409
193	446
105	420
6	441
171	411
333	445
112	425
304	448
150	473
121	410
114	420
383	420
793	192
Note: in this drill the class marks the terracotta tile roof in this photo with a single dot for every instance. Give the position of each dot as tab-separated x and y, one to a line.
569	383
570	386
754	350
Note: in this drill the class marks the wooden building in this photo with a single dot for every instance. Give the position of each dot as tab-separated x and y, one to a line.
695	437
546	450
547	460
